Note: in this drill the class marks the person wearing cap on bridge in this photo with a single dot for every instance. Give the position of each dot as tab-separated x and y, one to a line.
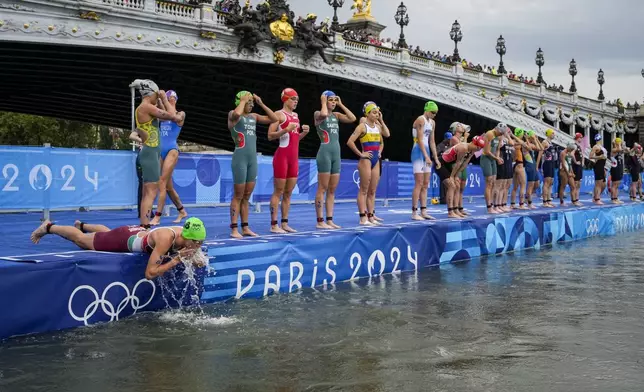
176	241
242	124
567	173
423	132
578	162
147	116
598	155
370	132
453	161
617	169
328	158
169	132
489	161
285	160
550	158
461	133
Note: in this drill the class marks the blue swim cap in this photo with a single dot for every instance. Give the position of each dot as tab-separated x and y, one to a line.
172	94
598	137
329	94
448	135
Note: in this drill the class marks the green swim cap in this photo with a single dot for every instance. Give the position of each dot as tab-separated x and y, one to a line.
239	96
530	133
431	106
194	229
518	132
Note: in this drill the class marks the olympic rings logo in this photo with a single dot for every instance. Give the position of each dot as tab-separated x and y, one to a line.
592	226
107	306
356	178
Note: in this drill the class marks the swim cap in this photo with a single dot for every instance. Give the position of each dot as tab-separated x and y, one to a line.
578	136
239	96
571	146
598	137
550	132
288	93
147	87
448	135
172	94
431	106
618	140
194	229
329	94
518	132
502	127
369	106
455	125
530	133
478	141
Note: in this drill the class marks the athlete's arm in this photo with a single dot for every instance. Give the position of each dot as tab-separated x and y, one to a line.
351	143
270	117
235	115
487	149
134	135
382	146
323	113
348	116
156	267
432	146
461	163
273	130
419	125
165	105
305	131
384	129
153	111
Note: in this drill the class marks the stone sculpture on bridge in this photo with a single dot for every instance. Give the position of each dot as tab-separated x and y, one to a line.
273	21
362	7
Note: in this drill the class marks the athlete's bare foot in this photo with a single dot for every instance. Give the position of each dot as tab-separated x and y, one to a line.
377	218
246	232
333	225
155	221
506	209
182	215
417	217
40	232
275	229
288	228
427	216
366	223
234	233
374	221
322	226
453	214
464	212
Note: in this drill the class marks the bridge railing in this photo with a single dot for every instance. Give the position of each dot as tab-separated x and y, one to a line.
179	10
129	4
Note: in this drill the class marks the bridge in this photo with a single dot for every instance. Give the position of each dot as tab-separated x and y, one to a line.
74	60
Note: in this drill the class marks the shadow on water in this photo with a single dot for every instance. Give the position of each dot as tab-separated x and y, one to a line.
567	318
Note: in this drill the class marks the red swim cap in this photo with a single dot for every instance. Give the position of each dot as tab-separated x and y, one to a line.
578	136
478	141
288	93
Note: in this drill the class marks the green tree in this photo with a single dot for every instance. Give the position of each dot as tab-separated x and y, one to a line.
30	130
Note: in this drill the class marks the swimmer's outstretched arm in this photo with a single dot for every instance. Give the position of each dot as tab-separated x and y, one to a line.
156	267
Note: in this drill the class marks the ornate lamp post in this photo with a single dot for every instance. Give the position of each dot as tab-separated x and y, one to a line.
335	4
600	81
573	71
500	50
456	35
540	62
402	20
643	72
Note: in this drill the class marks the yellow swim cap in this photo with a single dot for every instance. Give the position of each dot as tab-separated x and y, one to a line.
618	140
369	106
550	132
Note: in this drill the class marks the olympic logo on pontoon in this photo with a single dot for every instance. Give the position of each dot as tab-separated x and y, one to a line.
107	306
592	226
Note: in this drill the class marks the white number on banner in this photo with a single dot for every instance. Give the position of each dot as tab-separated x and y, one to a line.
395	251
63	171
93	181
357	267
5	173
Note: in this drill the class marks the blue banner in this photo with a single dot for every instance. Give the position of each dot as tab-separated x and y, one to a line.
44	177
85	287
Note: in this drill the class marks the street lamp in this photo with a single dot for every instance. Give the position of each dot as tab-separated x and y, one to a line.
456	35
500	50
402	20
573	71
335	4
643	72
600	80
540	62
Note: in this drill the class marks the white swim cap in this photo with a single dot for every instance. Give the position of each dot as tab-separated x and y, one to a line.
146	87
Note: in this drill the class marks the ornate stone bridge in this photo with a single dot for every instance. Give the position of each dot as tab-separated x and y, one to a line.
75	59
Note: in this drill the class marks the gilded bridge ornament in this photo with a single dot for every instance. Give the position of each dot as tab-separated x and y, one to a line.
282	30
362	7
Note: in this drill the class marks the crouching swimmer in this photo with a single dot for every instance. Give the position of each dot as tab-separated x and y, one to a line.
175	241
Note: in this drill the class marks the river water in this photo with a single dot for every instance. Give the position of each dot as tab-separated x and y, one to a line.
563	319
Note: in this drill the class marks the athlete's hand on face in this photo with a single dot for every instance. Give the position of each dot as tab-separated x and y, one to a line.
339	100
324	98
160	93
186	252
256	98
305	129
